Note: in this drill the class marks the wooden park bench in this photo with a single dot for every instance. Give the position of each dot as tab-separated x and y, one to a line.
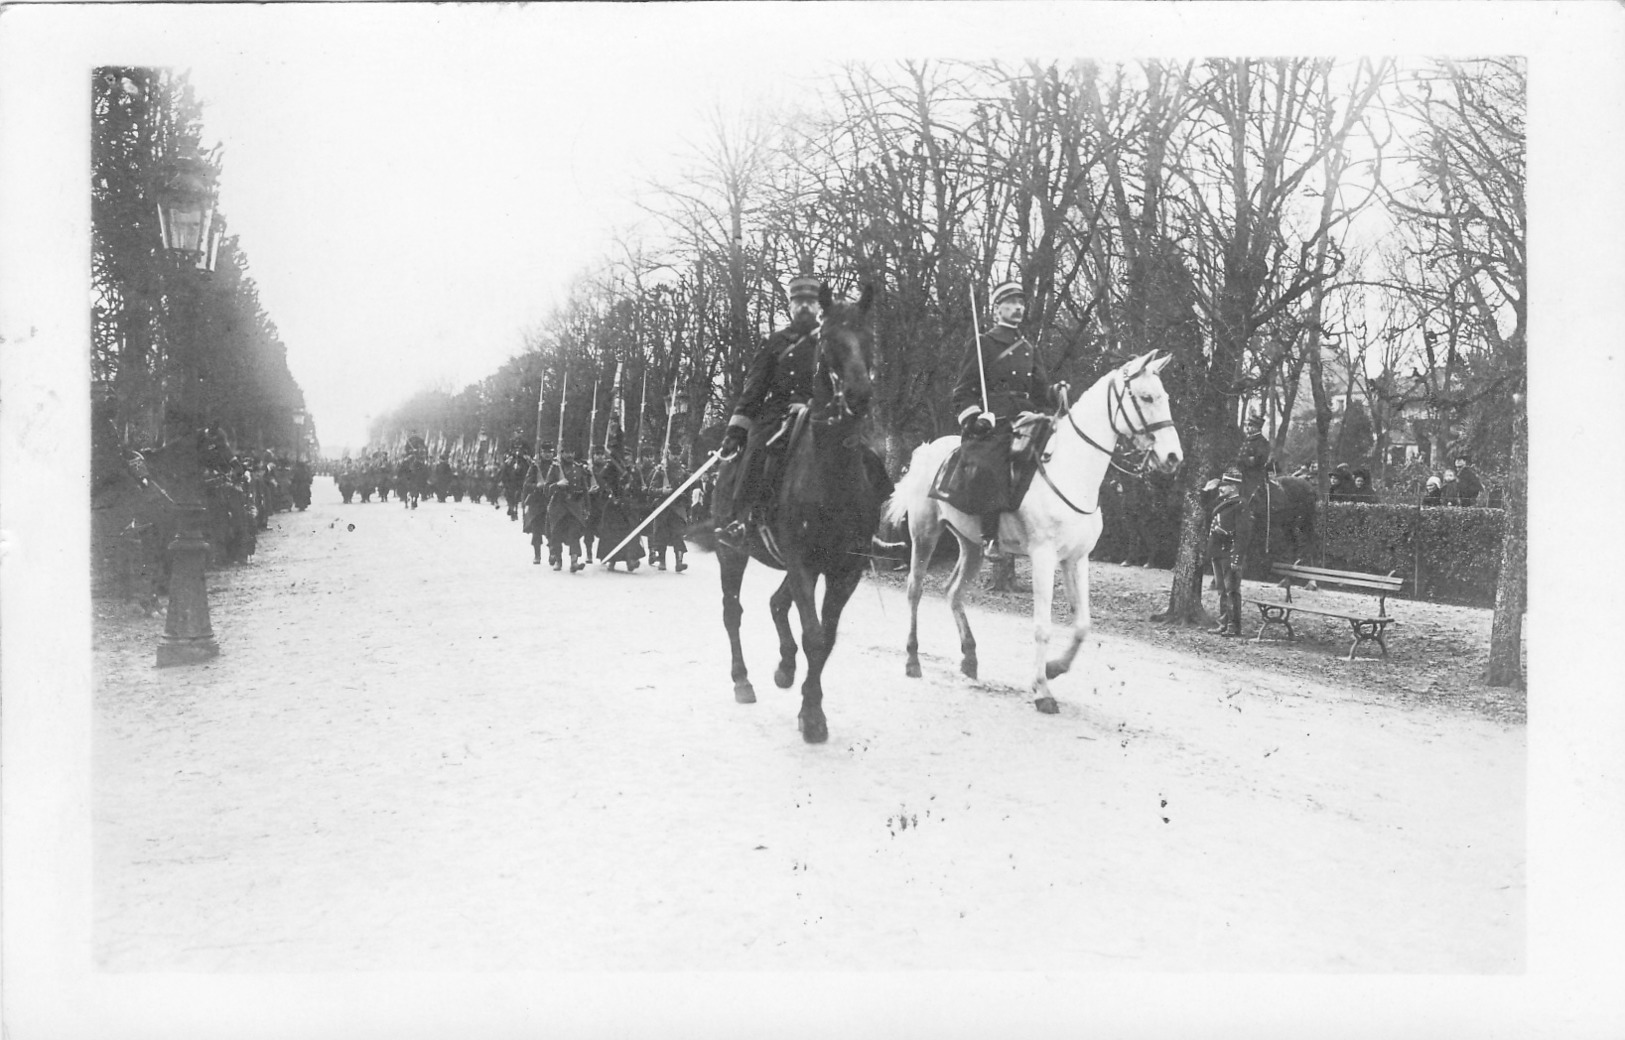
1368	627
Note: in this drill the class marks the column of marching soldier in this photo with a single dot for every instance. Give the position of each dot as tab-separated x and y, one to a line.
583	508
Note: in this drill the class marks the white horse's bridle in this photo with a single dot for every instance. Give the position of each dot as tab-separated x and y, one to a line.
1113	410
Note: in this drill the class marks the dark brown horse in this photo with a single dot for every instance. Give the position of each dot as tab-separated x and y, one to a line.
821	517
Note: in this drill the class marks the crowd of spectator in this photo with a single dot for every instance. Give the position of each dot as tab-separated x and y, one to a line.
1457	485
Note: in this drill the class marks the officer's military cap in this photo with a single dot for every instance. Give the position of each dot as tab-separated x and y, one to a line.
804	286
1006	291
1254	422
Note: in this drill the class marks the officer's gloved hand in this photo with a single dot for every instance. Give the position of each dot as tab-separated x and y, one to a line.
977	425
733	442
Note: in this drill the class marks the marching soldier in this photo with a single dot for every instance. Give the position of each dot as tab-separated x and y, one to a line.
780	377
533	500
1016	382
667	529
568	483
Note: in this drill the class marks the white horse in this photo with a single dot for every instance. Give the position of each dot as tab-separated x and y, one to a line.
1058	520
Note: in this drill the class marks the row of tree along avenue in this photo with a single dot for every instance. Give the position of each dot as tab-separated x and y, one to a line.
1337	244
197	424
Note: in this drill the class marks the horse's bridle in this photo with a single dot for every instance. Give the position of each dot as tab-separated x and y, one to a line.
1121	389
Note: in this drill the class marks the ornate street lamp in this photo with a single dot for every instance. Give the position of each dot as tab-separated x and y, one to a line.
186	220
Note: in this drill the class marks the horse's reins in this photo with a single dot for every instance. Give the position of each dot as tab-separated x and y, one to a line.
1116	409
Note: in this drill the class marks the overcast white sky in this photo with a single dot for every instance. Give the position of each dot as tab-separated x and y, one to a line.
414	186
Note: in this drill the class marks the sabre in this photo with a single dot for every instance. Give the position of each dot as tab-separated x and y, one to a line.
608	559
981	366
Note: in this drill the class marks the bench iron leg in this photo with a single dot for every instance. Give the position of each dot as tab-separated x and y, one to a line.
1270	614
1367	632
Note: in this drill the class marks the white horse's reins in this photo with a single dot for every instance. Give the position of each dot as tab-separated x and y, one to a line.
1147	428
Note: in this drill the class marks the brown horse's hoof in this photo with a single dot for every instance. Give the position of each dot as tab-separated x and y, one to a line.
912	669
1047	705
968	667
783	677
1053	669
814	730
744	693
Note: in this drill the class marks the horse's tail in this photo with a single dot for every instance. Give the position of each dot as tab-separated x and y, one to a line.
915	486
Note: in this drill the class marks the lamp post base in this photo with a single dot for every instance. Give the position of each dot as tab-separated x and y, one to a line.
188	637
172	652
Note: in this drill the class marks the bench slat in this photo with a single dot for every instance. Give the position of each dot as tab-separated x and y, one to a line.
1292	570
1293	607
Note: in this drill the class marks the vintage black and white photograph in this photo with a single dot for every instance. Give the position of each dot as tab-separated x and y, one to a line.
796	496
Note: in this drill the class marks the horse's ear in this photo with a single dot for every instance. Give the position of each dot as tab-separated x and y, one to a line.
866	297
1155	368
1133	368
825	298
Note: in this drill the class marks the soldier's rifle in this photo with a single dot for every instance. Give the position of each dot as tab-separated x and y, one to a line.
608	559
564	396
643	399
541	395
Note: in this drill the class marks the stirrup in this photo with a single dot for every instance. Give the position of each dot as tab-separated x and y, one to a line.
732	534
990	549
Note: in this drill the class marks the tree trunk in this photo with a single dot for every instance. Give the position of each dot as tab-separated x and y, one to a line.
1511	589
1185	607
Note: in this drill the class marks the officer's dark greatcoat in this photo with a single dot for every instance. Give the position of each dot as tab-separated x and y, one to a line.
780	375
1016	379
1016	382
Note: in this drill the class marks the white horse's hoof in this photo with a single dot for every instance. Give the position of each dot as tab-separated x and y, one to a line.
1047	705
744	693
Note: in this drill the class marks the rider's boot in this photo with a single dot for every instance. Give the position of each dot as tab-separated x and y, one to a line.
990	538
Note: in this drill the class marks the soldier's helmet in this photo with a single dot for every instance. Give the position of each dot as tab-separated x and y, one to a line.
547	447
1007	290
1254	421
804	287
1231	476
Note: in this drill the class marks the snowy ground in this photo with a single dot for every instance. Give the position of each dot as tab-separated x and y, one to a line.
417	751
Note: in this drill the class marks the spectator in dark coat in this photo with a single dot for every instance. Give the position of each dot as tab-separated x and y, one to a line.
1342	483
1468	486
1363	491
1449	493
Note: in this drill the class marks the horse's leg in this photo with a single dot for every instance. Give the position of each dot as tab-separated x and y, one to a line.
970	561
838	589
924	530
785	673
1075	576
1044	559
803	587
732	566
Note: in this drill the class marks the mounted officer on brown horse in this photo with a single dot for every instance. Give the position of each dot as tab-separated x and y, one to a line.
780	378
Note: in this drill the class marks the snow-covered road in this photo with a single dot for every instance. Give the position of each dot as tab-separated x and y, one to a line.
418	751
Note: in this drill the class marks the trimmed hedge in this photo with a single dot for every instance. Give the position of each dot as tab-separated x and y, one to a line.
1453	553
1457	548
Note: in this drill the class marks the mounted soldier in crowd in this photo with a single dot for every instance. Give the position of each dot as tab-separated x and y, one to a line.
345	478
1253	457
779	380
568	484
533	500
1002	377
